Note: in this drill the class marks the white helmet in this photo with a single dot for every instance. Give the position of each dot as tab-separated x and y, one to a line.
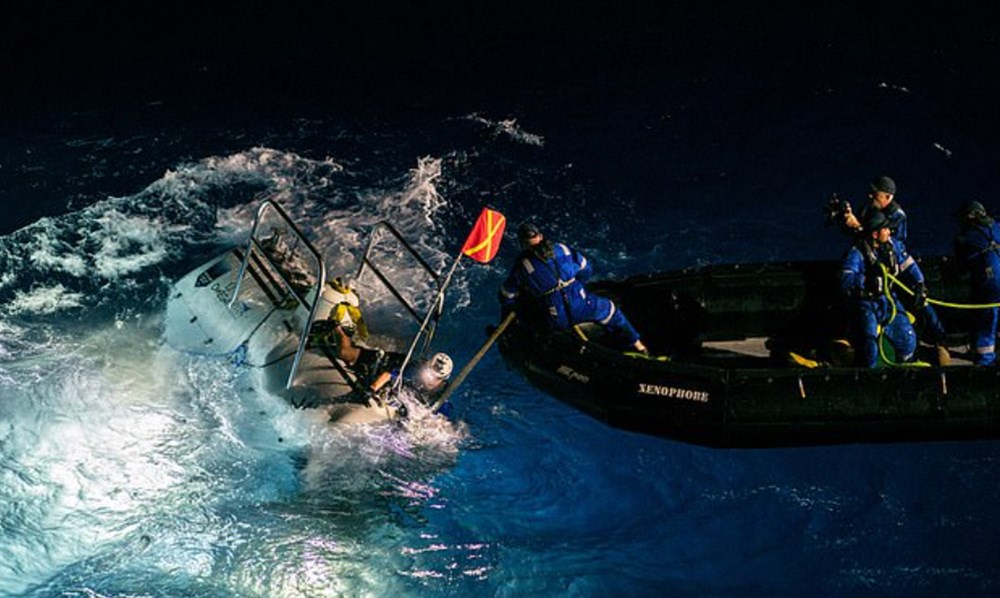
441	365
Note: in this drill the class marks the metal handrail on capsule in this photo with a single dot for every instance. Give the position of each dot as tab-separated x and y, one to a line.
320	275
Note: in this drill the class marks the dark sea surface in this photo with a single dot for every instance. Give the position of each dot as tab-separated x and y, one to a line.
135	143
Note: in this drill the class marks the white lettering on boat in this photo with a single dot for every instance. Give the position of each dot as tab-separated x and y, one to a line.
570	374
223	293
673	392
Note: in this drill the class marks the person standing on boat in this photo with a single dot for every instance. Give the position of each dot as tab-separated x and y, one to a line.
547	284
881	195
864	283
977	247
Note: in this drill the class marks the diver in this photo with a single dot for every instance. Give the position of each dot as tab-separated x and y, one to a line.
977	247
546	285
863	282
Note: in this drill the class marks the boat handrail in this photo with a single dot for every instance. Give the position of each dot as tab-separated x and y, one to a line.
366	262
320	274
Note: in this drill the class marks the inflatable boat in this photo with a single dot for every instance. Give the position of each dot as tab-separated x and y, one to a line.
754	355
259	304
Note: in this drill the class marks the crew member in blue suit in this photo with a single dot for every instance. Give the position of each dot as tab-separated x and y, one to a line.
863	283
977	246
881	195
547	284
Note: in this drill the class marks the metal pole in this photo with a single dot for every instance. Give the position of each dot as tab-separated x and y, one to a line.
473	362
438	299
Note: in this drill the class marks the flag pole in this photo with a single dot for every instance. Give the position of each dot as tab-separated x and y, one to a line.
481	239
435	306
450	389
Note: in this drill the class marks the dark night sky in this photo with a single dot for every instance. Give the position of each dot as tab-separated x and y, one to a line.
52	52
316	46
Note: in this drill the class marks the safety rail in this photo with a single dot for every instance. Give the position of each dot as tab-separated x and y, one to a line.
366	262
252	243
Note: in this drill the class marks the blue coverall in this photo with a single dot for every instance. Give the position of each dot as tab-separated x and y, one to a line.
555	287
977	246
862	282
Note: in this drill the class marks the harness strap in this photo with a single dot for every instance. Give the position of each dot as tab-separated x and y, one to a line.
559	288
562	284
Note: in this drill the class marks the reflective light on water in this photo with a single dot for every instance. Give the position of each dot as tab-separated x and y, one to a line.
124	462
129	470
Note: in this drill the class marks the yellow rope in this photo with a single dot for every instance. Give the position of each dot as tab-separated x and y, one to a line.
898	283
881	331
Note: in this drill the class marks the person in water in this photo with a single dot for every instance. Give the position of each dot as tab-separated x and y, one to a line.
977	247
546	284
865	285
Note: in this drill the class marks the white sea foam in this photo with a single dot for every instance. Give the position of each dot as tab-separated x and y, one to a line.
509	128
128	244
44	300
894	87
149	439
421	189
411	448
49	252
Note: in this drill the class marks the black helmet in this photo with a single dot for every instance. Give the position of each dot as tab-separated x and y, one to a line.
874	220
527	231
884	184
972	210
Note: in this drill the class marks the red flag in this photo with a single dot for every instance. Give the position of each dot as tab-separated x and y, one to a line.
484	240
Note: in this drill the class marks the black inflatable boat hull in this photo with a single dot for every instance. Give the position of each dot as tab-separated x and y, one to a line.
726	399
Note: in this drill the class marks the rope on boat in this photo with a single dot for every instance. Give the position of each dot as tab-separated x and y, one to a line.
950	304
887	290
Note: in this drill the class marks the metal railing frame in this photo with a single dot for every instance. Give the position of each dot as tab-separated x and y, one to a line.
366	262
320	274
252	244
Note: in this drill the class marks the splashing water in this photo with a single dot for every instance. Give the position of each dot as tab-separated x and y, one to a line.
122	460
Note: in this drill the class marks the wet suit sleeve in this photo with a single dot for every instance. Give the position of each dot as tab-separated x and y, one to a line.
580	265
509	291
971	244
907	265
852	276
897	222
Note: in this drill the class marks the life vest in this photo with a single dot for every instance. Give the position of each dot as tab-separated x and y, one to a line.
875	259
341	305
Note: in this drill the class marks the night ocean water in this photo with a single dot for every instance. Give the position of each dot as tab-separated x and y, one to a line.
135	144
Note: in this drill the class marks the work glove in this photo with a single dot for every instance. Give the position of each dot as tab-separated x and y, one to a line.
920	295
